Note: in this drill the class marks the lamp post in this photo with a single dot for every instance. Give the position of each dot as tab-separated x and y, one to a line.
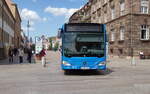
28	26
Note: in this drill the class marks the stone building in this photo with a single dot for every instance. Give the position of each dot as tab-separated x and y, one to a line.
14	9
117	15
83	15
7	28
75	18
128	24
10	27
86	13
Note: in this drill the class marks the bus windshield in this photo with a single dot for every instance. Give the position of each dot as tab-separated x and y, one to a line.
83	44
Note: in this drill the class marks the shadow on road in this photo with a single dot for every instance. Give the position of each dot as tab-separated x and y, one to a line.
88	72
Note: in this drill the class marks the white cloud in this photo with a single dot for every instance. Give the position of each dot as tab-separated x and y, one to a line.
31	23
45	19
27	14
60	11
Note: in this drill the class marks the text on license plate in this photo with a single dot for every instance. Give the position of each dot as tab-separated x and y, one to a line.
85	68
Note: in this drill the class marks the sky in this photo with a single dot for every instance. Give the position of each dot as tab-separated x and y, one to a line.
46	16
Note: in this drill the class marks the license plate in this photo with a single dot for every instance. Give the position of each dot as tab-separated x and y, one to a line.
85	68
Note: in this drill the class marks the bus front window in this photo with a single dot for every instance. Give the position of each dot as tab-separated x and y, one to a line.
83	44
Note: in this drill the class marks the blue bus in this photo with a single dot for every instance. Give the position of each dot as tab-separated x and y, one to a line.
83	46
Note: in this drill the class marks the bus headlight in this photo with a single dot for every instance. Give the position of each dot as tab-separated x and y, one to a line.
66	63
102	64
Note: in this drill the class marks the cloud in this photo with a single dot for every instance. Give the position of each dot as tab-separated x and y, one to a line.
27	14
60	11
45	19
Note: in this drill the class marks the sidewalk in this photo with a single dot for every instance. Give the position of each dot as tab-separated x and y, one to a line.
16	60
128	62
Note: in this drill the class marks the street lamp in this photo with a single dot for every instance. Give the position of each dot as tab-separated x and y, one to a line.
28	26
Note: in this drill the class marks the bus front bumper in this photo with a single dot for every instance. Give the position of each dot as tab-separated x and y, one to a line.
103	67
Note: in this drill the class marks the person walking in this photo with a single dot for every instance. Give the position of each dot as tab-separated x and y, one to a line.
15	50
29	52
43	57
20	53
10	54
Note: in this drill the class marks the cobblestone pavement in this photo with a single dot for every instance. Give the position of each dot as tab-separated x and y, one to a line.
120	78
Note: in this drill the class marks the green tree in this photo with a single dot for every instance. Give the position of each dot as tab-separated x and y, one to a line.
33	47
50	47
56	46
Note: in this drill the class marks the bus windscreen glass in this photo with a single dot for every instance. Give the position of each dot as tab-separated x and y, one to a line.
84	44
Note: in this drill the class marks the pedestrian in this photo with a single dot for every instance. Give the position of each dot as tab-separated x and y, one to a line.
43	57
141	55
15	50
10	54
21	53
29	57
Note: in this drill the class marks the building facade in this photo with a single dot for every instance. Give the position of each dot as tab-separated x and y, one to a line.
10	27
14	9
75	18
128	24
83	15
7	28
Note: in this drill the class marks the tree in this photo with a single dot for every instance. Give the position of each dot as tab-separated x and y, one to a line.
51	44
56	46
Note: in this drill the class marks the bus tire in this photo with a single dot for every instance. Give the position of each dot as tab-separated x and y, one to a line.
66	72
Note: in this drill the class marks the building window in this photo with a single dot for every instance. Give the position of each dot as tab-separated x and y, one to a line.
122	7
94	17
144	6
99	12
113	13
144	32
94	8
112	35
122	31
105	14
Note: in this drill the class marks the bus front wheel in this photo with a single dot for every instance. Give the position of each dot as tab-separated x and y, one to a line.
66	72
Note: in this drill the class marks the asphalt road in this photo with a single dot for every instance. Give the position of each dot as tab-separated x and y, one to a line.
119	78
